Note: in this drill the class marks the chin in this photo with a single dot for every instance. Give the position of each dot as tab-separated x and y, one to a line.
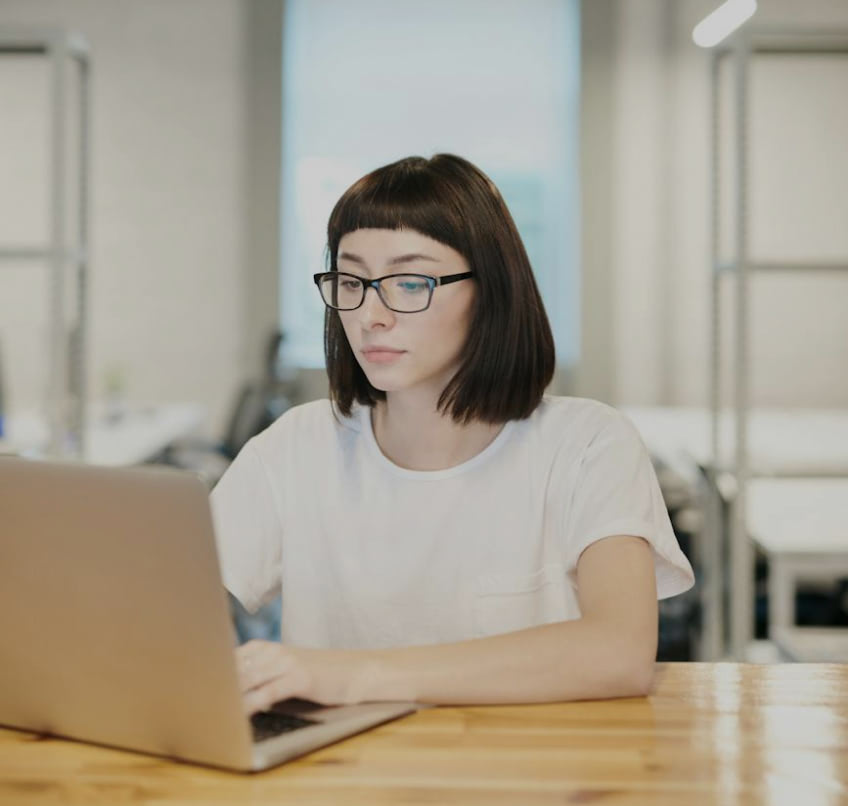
383	382
401	379
383	385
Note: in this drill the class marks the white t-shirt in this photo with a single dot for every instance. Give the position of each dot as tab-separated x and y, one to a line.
367	554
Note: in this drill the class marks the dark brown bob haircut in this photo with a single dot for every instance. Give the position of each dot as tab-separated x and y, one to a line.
508	358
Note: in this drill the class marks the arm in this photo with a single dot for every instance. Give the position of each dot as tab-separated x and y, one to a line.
608	652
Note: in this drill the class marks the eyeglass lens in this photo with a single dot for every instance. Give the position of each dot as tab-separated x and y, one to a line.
401	292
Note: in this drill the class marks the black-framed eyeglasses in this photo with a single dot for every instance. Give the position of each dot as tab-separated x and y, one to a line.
402	293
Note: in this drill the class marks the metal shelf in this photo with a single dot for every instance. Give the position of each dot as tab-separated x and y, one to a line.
32	41
67	399
39	253
789	42
782	266
745	44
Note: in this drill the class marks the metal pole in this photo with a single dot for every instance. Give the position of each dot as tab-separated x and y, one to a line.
82	263
713	609
57	383
741	551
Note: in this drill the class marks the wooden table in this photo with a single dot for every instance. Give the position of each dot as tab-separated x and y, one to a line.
710	733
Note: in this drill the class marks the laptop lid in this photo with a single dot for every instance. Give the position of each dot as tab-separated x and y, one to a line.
114	623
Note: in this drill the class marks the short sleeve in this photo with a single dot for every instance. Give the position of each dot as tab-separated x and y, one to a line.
247	530
617	493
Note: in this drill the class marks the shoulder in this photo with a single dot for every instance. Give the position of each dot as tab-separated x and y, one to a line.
314	424
579	432
580	420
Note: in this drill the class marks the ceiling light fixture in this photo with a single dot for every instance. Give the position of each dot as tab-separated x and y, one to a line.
722	22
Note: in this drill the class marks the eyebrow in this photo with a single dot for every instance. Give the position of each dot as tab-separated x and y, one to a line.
395	261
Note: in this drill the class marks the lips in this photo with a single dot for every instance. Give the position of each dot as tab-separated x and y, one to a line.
381	355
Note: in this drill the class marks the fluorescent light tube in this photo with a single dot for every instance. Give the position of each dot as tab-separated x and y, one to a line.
722	22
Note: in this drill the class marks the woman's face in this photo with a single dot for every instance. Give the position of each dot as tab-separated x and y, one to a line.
419	350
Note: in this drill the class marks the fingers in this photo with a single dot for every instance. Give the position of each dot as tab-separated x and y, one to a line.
262	698
259	662
268	672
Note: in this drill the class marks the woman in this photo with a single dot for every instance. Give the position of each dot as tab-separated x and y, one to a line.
441	530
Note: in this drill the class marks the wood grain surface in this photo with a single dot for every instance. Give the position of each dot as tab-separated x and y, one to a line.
709	734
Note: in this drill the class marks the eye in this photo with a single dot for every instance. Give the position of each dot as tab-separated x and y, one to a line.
412	285
350	284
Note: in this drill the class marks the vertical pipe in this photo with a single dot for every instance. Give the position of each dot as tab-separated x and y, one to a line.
668	110
741	551
80	360
713	610
57	384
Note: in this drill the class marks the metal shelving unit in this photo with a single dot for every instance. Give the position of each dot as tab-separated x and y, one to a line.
67	400
745	45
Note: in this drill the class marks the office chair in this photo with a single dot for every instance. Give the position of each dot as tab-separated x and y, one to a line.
257	405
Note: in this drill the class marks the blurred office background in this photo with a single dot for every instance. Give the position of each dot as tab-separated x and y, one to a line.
222	131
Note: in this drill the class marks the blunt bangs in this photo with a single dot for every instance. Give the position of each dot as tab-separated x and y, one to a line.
405	195
508	358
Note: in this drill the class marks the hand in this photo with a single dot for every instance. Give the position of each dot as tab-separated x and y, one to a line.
269	672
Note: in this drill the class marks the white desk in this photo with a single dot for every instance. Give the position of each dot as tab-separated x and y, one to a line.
801	523
783	440
140	434
812	644
802	526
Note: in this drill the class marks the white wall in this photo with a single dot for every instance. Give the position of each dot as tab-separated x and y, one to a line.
168	198
184	253
658	212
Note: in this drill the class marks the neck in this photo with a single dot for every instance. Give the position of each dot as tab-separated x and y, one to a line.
413	435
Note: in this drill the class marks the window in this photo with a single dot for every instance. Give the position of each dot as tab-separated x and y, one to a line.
369	82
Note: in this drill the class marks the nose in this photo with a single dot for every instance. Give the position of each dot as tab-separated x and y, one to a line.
373	312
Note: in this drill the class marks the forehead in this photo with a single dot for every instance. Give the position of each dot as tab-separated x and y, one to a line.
379	245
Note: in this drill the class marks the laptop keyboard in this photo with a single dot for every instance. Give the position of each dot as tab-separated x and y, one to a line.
268	724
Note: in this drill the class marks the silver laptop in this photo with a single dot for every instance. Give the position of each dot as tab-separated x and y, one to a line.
115	625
